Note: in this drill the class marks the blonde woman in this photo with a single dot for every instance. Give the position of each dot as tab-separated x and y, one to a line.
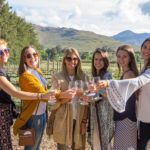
70	117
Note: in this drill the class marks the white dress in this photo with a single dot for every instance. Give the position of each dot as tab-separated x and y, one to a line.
119	92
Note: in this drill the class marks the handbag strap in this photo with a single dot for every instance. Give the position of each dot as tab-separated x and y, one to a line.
35	112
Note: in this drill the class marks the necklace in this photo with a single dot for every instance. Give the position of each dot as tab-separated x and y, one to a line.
126	71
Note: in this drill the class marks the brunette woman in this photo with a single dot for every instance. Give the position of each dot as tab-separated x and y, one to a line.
125	136
6	91
101	125
31	79
118	93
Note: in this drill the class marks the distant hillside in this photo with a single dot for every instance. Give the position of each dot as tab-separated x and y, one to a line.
49	37
131	37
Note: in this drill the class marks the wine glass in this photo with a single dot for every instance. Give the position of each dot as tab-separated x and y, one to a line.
55	87
72	85
92	86
96	79
85	92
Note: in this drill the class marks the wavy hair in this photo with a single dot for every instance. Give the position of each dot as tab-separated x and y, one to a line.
106	61
132	63
79	75
23	65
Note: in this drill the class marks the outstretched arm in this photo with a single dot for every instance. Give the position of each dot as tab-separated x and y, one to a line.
11	90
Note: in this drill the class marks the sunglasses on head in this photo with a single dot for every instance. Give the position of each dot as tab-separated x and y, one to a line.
30	55
6	51
101	49
70	59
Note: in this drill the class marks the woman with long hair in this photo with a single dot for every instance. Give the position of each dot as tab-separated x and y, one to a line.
31	79
101	113
118	93
6	104
125	136
70	119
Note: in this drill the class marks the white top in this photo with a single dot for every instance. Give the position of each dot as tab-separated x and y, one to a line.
74	105
119	92
42	105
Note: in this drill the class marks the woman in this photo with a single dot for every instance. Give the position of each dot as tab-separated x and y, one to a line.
125	136
69	117
6	103
118	93
31	80
101	112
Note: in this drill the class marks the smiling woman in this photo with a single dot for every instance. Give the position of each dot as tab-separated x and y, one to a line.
6	103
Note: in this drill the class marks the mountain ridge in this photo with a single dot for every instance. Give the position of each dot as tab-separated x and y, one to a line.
49	37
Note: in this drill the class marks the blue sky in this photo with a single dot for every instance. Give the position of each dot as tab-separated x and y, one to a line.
106	17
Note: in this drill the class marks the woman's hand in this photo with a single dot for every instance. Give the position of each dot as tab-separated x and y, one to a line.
102	84
49	95
86	98
79	92
92	88
69	94
83	128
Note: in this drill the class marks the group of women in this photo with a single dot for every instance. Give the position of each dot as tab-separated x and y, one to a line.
112	115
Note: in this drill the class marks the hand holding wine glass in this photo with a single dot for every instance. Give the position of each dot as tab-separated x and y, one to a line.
85	94
72	86
54	88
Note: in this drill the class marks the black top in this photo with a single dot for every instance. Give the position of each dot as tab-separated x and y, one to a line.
4	97
129	110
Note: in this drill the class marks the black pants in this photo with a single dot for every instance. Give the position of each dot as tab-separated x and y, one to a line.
144	136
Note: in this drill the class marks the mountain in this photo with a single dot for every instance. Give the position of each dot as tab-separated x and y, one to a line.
131	37
49	37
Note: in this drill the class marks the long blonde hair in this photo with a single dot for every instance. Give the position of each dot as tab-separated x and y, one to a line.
3	42
79	75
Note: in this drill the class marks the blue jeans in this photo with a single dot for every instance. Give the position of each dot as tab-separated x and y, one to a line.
39	126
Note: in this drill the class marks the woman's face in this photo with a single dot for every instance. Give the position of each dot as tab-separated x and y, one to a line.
123	58
145	51
31	58
98	62
4	53
71	61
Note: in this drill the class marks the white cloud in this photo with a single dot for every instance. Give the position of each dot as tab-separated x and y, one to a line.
105	17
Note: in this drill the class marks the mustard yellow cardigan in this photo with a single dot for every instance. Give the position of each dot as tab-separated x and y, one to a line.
28	83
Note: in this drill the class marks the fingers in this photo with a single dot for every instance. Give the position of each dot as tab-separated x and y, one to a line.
69	94
86	98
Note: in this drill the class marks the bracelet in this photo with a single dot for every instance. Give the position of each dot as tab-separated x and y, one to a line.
101	91
92	100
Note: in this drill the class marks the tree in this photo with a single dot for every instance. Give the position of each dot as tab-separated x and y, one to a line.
15	31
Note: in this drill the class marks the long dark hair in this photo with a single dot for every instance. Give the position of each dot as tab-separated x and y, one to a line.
23	65
147	65
132	63
105	57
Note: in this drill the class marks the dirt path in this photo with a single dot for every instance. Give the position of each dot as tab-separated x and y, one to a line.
47	144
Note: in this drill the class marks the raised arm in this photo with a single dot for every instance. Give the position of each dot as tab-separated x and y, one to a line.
119	92
11	90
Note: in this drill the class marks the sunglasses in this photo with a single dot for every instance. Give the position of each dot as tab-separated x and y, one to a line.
70	59
101	49
30	55
6	51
